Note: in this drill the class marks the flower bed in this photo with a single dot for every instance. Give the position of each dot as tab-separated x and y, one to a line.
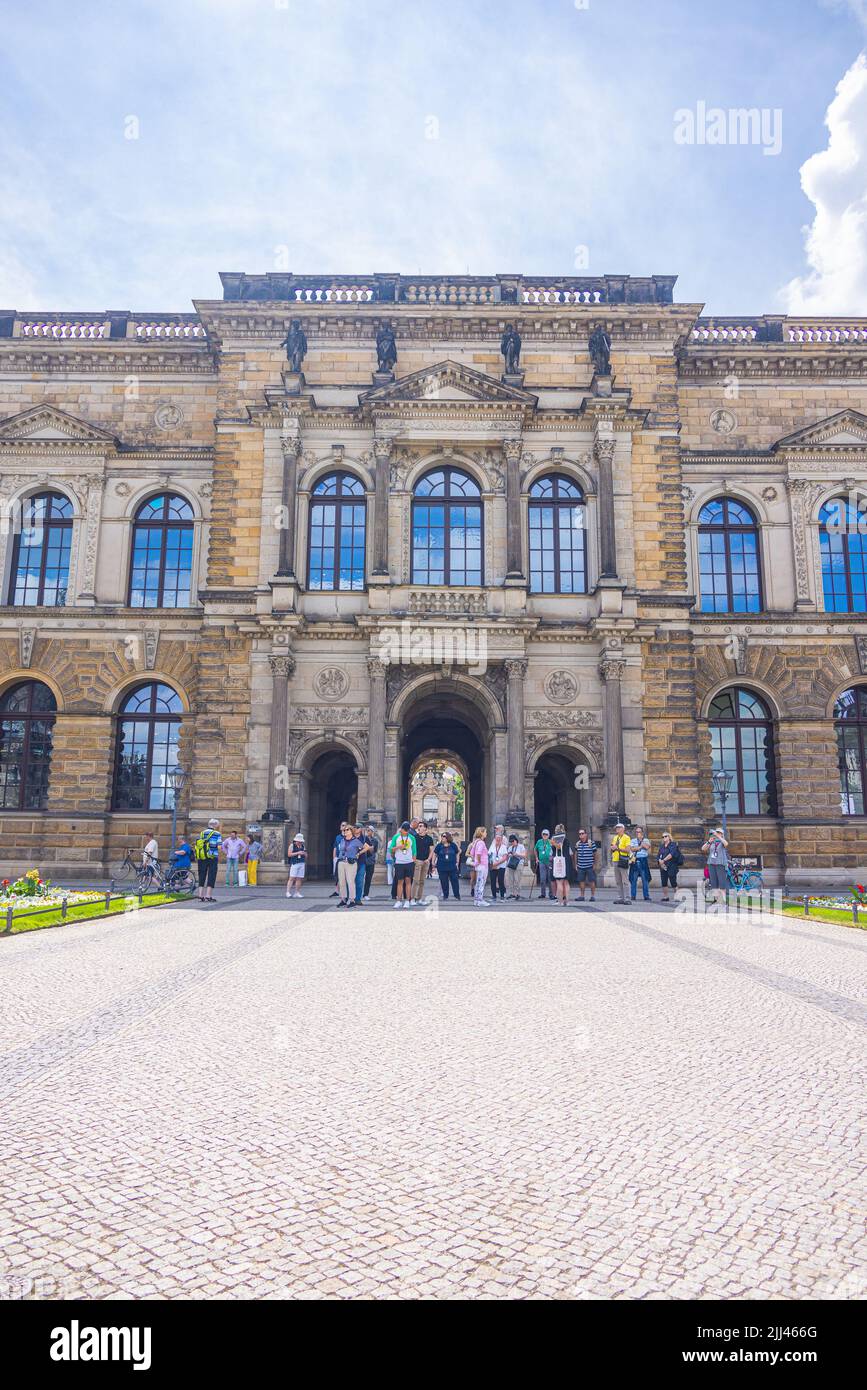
30	891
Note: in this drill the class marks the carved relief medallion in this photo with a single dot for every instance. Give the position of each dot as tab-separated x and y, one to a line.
331	683
561	687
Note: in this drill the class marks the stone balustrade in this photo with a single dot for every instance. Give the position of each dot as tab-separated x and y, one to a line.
448	602
779	329
550	295
61	328
710	331
448	292
82	328
163	328
812	332
332	294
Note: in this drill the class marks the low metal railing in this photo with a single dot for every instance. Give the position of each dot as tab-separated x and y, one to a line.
64	906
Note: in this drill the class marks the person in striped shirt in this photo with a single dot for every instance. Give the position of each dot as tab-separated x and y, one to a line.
585	865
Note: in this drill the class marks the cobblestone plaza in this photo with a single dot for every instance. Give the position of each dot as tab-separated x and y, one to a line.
247	1102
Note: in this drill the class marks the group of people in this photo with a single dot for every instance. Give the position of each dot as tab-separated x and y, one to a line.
414	854
240	853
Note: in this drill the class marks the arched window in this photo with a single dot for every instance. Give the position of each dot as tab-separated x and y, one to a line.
338	514
558	553
148	729
728	558
40	554
162	553
742	742
447	529
843	545
430	808
850	724
26	726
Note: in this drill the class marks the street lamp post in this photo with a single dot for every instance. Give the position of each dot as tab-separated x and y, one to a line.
722	785
176	778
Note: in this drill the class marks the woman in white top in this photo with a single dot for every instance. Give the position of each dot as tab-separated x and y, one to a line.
517	851
559	866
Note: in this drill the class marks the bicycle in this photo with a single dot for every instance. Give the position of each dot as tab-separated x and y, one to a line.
152	878
127	866
740	878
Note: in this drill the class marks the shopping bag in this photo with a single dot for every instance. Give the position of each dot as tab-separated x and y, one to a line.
242	878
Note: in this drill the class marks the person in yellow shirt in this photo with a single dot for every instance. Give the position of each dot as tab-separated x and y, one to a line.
620	844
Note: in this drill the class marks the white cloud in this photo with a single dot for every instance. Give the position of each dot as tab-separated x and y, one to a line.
835	181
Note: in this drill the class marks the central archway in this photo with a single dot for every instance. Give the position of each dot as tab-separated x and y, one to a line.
458	717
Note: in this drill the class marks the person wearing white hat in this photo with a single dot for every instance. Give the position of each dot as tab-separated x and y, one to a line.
297	859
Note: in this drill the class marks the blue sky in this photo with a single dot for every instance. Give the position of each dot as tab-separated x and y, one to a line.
296	134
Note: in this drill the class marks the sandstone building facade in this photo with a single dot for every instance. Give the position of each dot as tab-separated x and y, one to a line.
582	590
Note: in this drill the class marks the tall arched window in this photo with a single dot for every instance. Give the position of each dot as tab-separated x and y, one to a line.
338	516
162	553
742	742
26	726
558	553
447	529
850	724
728	558
843	545
40	554
148	730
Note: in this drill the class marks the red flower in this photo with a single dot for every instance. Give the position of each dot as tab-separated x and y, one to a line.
860	887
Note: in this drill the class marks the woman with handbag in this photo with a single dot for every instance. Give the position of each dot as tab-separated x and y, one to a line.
560	865
348	850
639	864
515	867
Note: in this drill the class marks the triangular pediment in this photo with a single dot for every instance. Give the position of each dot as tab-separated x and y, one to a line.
450	383
47	423
846	429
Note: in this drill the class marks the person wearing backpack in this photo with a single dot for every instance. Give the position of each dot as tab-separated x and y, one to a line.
207	859
669	859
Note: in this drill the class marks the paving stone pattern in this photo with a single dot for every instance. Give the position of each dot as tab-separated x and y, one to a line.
252	1102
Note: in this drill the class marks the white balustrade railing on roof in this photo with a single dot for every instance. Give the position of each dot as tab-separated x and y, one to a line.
547	295
826	332
781	330
333	294
63	328
724	332
445	292
156	329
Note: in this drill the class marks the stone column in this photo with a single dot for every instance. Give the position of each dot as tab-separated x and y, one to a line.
611	670
282	668
92	489
516	671
801	495
291	446
604	451
376	740
514	559
382	451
